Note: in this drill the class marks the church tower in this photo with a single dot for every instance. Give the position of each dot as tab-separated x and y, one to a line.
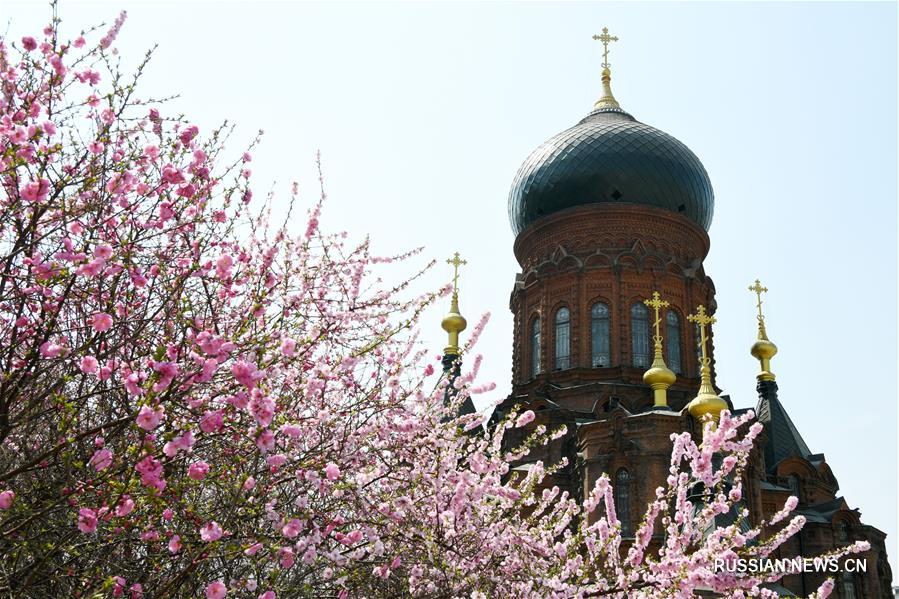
611	219
613	315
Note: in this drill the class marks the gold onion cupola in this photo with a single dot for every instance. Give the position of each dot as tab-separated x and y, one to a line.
454	323
706	401
763	349
659	377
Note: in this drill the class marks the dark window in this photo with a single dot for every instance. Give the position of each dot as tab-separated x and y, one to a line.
842	532
848	586
674	354
623	500
535	347
794	485
640	335
563	339
599	335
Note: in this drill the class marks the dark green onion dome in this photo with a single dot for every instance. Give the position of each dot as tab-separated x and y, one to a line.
611	157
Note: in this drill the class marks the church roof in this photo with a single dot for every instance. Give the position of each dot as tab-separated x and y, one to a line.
784	439
822	512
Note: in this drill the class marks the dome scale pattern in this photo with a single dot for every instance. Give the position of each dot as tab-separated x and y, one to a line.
609	156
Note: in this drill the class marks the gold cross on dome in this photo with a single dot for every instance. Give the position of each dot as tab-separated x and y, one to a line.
456	261
703	320
758	289
605	38
656	303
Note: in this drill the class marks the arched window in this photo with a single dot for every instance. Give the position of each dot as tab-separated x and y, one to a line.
640	335
623	500
793	481
535	347
563	339
842	532
599	335
673	342
847	585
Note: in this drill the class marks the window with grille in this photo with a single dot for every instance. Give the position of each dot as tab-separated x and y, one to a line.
563	339
599	335
673	342
640	335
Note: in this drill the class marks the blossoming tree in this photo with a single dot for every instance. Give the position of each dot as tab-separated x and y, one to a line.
198	401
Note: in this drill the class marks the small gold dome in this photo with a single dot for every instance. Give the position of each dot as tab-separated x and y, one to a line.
706	403
659	375
454	323
763	349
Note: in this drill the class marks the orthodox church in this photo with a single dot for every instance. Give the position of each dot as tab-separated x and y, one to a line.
613	315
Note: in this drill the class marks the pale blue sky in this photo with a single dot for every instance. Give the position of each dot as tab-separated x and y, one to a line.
423	113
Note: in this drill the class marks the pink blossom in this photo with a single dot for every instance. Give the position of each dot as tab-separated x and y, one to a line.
88	365
188	134
266	440
332	472
286	557
125	507
216	590
101	459
103	251
87	520
276	461
49	349
268	595
292	529
525	418
249	483
212	422
29	43
246	373
151	472
149	418
223	266
198	470
6	499
102	322
288	346
175	544
262	408
36	191
291	430
211	531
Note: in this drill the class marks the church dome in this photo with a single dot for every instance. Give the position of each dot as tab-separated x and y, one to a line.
609	156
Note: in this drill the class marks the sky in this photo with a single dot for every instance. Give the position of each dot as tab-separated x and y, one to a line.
424	112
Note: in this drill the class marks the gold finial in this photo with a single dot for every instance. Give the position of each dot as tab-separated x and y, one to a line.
454	323
659	377
607	100
706	401
763	349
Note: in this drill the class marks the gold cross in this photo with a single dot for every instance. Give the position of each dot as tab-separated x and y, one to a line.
702	319
456	262
656	303
605	38
758	292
